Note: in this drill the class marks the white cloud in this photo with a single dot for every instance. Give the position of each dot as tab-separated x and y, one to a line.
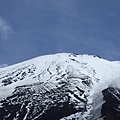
3	65
5	28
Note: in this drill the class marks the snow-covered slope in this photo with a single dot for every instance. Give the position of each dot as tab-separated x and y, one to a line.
61	86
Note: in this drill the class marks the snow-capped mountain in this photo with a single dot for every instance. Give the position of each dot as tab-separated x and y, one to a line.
61	87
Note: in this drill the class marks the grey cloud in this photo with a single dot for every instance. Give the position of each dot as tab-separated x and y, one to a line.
5	28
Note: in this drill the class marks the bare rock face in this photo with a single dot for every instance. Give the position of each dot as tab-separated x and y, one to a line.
39	101
111	107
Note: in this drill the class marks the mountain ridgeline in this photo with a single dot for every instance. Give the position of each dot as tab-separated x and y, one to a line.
62	86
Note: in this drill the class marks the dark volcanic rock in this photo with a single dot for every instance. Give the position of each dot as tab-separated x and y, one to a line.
39	102
111	107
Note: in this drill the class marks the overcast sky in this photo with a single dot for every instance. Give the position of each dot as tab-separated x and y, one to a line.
30	28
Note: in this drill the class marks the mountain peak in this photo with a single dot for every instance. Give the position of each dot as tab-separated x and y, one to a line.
64	83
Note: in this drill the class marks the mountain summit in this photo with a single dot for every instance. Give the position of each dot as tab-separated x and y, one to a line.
61	87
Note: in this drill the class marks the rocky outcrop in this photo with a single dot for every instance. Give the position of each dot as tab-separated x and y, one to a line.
41	102
111	107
